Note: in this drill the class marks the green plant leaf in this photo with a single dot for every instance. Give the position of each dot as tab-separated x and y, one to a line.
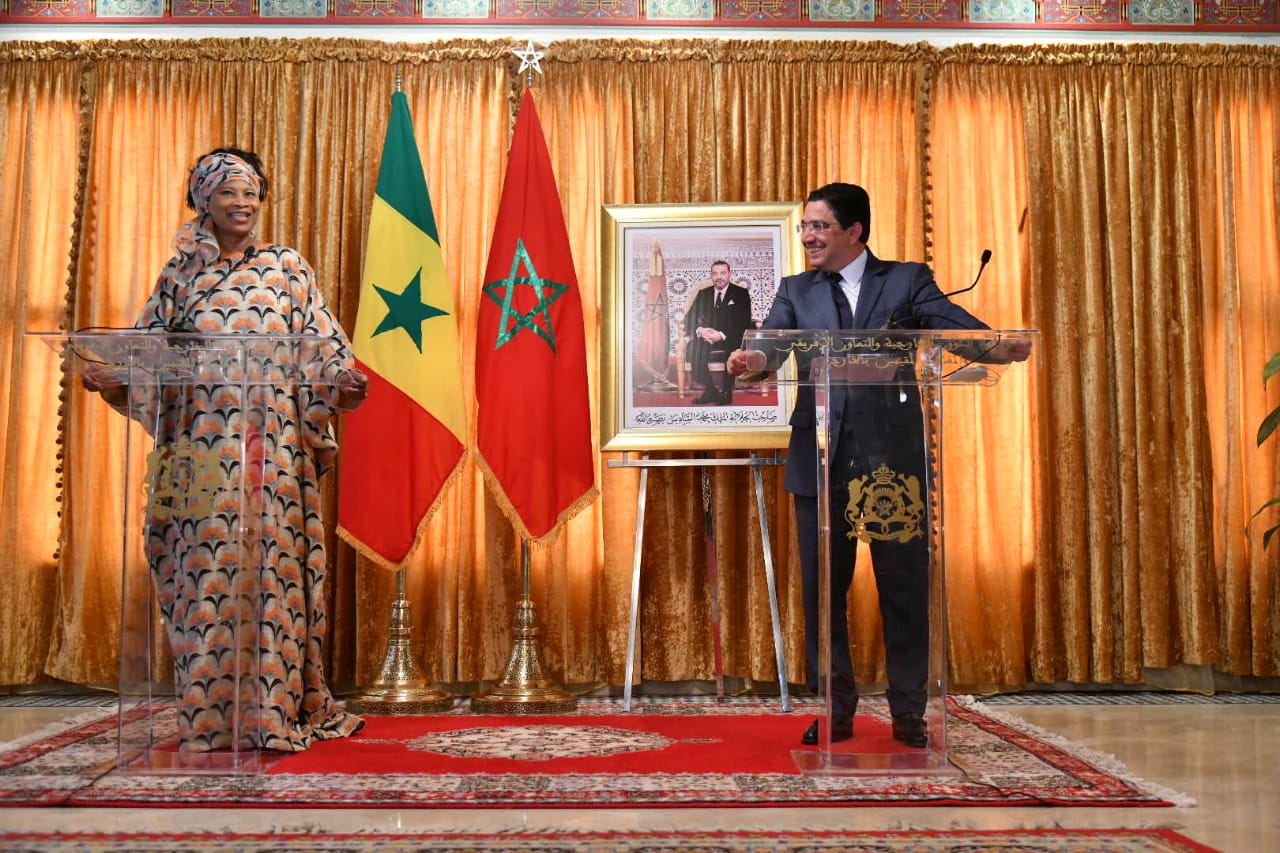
1266	536
1265	429
1271	369
1272	502
1269	424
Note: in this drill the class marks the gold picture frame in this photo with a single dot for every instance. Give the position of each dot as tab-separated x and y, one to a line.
654	260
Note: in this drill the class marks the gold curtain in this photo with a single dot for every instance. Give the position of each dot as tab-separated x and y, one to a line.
1095	502
39	121
979	200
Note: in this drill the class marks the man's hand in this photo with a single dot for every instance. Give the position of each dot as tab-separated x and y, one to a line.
1012	350
742	361
353	387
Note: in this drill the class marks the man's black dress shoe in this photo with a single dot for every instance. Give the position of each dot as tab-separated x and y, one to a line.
911	729
704	399
841	729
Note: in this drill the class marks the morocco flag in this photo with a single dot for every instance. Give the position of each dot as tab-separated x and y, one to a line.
407	441
533	423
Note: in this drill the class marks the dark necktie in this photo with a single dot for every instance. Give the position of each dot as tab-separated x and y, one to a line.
718	296
842	302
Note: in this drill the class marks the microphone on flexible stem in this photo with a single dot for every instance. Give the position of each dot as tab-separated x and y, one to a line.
982	265
901	310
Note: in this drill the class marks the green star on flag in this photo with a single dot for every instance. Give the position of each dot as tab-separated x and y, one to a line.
512	319
406	310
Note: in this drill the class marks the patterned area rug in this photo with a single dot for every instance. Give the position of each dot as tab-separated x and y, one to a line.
909	841
1044	697
1135	697
676	752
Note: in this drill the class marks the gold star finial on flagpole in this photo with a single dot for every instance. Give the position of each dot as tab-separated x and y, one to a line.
530	61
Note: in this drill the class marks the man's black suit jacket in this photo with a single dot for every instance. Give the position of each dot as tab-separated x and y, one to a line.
902	293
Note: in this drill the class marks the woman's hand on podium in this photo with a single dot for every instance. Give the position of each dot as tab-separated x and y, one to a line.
105	380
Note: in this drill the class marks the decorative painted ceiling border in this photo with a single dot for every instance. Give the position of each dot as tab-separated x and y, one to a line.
1040	16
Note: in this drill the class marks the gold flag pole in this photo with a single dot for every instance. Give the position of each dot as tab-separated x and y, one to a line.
524	688
400	688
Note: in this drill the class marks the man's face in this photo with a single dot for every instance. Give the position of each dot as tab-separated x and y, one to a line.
833	248
720	276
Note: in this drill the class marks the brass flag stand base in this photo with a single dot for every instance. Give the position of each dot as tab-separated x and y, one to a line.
524	689
400	688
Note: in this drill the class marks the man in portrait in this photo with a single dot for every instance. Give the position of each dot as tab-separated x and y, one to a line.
714	324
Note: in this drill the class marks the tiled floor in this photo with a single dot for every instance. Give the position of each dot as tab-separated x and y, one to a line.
1225	756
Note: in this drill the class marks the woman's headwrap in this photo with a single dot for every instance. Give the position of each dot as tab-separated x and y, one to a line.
194	245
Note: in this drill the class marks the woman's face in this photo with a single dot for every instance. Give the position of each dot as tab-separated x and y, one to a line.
233	210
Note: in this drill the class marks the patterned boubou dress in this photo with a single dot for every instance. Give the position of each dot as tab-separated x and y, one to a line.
200	569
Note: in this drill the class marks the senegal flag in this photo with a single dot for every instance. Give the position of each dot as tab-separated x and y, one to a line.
407	441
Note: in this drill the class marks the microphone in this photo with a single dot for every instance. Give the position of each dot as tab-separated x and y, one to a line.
900	312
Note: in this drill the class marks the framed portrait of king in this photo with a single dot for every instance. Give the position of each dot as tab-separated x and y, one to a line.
680	284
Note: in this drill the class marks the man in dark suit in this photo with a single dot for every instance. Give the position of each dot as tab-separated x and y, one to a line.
874	428
715	323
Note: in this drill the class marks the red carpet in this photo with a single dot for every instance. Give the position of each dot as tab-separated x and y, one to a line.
600	744
908	841
668	753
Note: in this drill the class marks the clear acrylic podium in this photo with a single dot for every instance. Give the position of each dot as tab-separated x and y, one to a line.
908	368
208	483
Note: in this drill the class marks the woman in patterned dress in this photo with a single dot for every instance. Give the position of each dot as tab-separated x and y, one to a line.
222	280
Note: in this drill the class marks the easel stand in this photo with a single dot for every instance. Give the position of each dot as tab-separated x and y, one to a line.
755	462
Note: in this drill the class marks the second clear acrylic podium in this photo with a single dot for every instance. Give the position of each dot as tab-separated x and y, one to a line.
197	492
902	372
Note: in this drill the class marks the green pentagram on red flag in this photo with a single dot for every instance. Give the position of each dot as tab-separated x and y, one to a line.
503	292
